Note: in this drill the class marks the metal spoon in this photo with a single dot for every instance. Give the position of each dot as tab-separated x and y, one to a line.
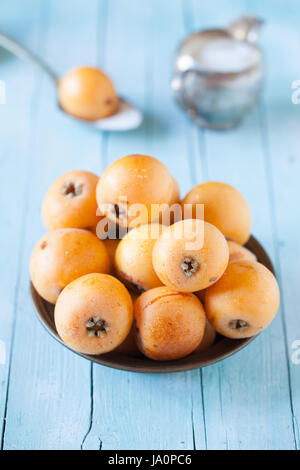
127	116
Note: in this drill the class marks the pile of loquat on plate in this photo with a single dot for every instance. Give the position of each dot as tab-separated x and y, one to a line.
132	268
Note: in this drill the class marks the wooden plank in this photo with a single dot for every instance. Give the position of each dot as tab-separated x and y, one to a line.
136	411
16	138
49	394
280	125
247	400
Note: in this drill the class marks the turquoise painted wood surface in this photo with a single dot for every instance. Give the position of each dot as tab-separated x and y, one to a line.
50	398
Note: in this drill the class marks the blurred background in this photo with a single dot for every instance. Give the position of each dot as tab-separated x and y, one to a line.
50	398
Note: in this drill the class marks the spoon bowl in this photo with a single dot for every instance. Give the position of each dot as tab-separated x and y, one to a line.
126	118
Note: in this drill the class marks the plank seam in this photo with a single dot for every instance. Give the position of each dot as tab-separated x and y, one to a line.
220	368
193	423
203	407
188	20
191	159
101	59
149	91
91	408
12	340
203	154
101	51
186	8
104	138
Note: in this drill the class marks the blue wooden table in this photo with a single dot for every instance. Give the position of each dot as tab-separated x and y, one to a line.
52	399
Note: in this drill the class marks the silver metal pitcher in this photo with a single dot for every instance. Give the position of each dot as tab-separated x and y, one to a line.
218	73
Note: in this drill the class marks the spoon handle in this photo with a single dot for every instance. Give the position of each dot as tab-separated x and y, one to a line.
20	51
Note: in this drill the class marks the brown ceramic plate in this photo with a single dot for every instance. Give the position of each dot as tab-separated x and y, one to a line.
222	348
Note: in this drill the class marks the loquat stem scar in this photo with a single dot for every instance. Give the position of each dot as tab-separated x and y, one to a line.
96	327
189	266
71	190
239	325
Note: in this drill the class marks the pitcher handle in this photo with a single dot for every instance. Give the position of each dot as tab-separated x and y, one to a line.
245	28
